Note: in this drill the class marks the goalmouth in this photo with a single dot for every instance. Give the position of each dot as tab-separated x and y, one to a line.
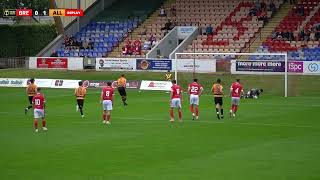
240	63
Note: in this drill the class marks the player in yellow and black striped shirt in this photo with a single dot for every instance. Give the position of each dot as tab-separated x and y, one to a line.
121	83
217	91
80	93
31	91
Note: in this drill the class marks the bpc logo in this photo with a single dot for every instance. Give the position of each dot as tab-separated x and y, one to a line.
313	67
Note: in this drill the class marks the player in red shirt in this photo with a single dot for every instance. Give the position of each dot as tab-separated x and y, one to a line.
38	103
106	100
235	92
175	102
195	90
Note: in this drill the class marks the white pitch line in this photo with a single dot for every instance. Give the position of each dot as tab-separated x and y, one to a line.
236	122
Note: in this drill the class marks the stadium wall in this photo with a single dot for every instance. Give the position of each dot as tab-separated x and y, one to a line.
184	44
165	46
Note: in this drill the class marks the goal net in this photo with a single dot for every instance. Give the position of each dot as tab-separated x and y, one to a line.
268	71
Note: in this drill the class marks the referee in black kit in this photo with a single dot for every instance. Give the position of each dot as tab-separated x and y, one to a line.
121	82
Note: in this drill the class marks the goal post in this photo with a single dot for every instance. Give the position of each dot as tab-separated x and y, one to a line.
279	60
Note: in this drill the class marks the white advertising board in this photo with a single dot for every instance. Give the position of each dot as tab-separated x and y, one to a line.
44	83
75	63
13	82
156	85
185	31
197	65
115	64
60	63
311	67
64	83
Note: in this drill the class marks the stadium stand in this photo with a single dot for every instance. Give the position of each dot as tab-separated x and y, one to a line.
298	33
110	27
239	22
231	23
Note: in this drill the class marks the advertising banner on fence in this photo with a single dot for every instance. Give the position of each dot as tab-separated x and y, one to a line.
115	64
295	67
64	83
185	31
311	67
52	63
154	64
100	83
260	66
13	82
156	85
275	67
45	83
197	65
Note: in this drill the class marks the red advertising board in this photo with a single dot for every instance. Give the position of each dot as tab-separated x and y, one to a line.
52	63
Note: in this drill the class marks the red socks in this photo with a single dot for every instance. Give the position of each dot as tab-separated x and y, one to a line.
197	111
43	123
234	108
180	114
108	117
191	108
104	116
35	124
171	114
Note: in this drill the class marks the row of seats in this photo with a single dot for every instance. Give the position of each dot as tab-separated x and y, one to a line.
299	48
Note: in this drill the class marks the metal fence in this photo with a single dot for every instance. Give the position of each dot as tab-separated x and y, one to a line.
13	62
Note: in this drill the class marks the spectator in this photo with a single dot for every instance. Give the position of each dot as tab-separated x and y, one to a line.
312	35
137	47
279	37
147	45
263	17
90	44
152	39
274	35
173	11
54	54
127	49
85	44
209	30
253	12
300	10
301	35
272	7
291	36
263	6
162	12
317	35
167	26
257	5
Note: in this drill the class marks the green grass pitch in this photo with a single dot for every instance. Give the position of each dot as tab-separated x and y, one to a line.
272	137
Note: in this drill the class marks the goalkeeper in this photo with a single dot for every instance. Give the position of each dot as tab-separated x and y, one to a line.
254	93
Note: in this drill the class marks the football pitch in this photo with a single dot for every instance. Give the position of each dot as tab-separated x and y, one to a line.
271	138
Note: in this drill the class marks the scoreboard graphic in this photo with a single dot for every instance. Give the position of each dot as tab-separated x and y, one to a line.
50	12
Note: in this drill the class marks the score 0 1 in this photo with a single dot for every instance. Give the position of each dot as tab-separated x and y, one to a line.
40	13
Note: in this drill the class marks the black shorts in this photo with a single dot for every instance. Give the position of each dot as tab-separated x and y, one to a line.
122	91
30	99
80	102
218	100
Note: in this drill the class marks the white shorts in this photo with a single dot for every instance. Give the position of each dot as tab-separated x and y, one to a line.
194	99
175	103
38	113
235	101
107	105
